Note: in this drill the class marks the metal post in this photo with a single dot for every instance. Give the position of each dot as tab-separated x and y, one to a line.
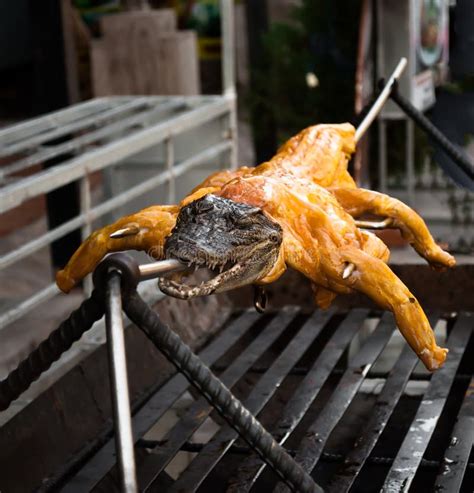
228	73
85	208
119	384
410	160
228	48
382	127
169	146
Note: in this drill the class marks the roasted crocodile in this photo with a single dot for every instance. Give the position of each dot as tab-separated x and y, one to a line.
297	210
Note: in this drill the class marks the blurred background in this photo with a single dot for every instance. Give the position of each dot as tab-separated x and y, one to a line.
110	106
107	106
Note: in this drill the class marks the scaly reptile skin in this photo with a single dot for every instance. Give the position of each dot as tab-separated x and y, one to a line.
307	190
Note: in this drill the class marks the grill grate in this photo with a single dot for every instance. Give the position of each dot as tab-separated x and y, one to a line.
296	372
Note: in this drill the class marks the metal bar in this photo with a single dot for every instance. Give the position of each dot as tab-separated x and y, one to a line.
27	305
303	370
85	208
45	181
456	457
82	141
110	205
119	384
97	118
382	150
155	269
233	135
381	100
383	409
228	73
228	47
410	160
318	432
29	128
303	397
333	457
218	395
202	465
51	349
103	460
34	126
154	464
416	441
169	145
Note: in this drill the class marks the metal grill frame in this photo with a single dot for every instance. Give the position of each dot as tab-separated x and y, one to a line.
317	349
334	331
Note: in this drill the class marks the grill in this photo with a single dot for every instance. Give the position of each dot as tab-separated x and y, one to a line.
324	384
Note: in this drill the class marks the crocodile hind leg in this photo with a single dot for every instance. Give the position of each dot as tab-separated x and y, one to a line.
357	201
374	278
146	231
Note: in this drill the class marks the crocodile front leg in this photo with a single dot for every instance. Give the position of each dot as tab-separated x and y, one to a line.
374	278
359	201
146	231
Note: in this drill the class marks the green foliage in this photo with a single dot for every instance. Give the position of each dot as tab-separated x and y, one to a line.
321	38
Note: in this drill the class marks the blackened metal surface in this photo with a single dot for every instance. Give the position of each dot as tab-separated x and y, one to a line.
317	434
416	441
294	371
386	402
392	390
218	395
303	397
201	409
199	469
457	454
98	466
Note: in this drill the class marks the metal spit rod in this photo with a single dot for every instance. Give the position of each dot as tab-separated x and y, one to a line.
155	269
119	384
381	100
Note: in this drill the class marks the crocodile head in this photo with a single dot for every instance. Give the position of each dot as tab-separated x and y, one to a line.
236	241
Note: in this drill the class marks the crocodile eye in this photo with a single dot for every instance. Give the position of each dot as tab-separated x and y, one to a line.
274	237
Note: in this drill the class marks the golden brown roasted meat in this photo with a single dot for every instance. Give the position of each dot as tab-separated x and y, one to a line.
307	190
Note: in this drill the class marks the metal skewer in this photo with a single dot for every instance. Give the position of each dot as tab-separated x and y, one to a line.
155	269
365	124
381	100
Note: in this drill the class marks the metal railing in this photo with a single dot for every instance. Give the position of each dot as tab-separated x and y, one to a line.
102	134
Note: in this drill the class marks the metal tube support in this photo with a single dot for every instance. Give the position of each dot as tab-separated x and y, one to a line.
228	48
382	127
169	149
228	73
85	202
381	100
119	383
410	160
